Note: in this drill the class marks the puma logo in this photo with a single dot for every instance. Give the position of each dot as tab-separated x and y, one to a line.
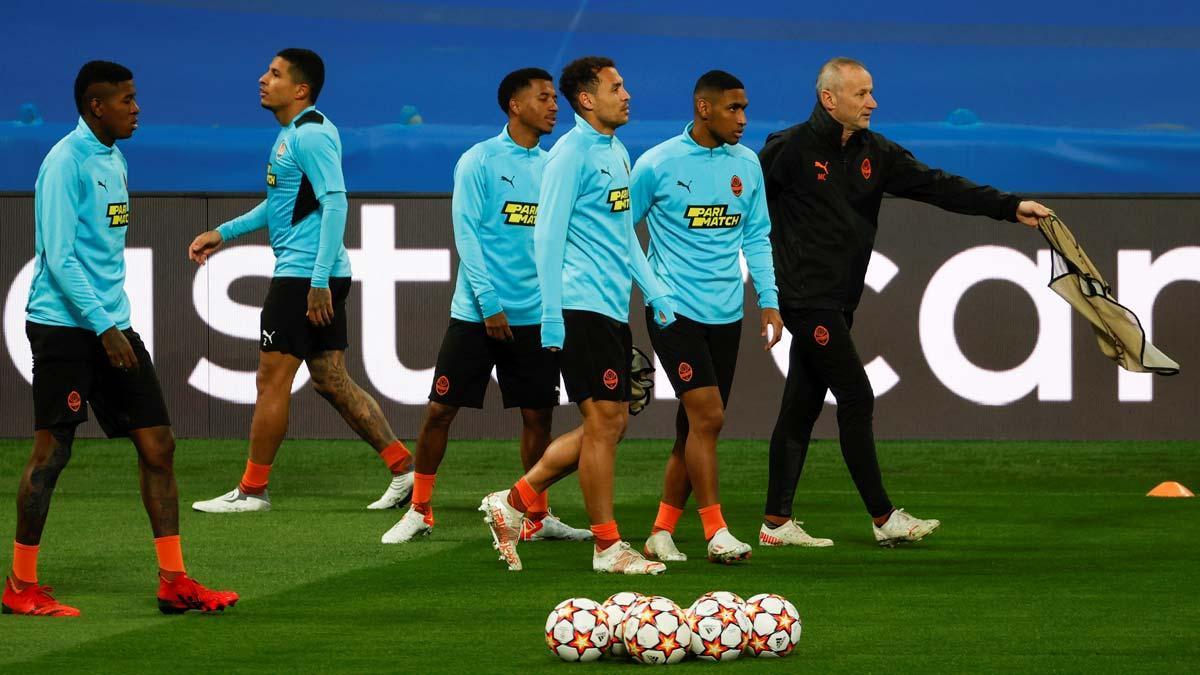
269	338
101	184
606	173
506	179
686	186
824	167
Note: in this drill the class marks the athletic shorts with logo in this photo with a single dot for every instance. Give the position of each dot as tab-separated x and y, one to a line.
284	325
595	357
71	371
528	374
695	354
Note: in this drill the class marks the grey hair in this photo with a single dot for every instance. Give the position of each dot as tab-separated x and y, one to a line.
830	76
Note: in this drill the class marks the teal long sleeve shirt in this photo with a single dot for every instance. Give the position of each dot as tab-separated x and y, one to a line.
81	215
494	211
586	251
702	207
305	209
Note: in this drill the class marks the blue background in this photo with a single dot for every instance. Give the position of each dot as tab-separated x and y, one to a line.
1070	96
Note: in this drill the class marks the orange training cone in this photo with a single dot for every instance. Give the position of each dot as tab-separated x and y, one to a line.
1170	489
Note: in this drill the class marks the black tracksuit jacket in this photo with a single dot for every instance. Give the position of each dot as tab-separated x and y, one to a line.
824	204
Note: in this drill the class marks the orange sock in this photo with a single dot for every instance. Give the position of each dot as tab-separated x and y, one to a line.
423	494
522	495
606	534
539	509
668	518
170	555
397	457
711	518
24	566
255	478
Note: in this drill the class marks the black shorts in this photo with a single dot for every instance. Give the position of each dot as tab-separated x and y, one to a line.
595	357
528	374
284	321
695	354
71	370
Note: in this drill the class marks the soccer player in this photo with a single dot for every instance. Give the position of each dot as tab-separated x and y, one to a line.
587	258
497	305
304	315
702	194
84	349
825	180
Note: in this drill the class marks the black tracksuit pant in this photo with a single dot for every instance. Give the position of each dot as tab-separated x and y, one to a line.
823	358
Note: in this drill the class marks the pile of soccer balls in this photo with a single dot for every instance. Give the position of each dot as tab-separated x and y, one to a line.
719	626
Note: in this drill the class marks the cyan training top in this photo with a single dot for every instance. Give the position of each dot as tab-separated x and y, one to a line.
81	215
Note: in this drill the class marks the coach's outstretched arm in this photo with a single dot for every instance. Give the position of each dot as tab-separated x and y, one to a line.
556	201
911	179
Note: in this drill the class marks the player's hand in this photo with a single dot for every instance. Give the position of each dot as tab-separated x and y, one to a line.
553	335
320	306
664	312
1029	212
497	327
205	245
772	327
119	351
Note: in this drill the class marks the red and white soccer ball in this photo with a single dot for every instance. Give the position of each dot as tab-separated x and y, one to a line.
617	607
720	629
577	630
725	596
775	625
656	632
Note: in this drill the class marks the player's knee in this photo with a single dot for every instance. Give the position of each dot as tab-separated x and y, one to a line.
51	454
439	416
536	421
706	421
270	381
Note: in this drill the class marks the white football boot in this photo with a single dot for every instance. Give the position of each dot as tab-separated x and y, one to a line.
551	527
620	558
725	548
789	534
660	546
902	527
505	523
413	524
235	501
397	495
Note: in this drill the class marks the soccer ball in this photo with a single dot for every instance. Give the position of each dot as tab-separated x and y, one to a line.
775	625
656	632
724	596
577	630
720	629
616	607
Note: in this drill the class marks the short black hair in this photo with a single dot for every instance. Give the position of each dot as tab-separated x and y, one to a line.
581	75
95	72
717	81
306	67
516	81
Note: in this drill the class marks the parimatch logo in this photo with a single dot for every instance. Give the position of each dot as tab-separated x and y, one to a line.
118	214
703	217
270	177
520	213
619	199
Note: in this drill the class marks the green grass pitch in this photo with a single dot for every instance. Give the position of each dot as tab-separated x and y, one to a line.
1050	559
